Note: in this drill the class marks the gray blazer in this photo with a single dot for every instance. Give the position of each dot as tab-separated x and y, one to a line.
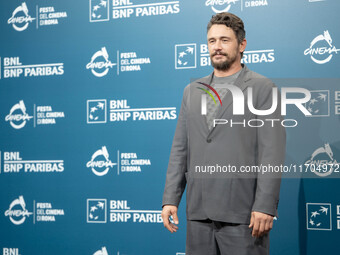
227	197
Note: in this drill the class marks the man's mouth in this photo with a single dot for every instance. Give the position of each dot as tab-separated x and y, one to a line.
219	55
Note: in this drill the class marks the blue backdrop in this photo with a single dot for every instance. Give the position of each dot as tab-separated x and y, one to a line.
89	97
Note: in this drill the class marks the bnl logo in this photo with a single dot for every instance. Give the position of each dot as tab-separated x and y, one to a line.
10	251
185	56
96	111
319	216
99	10
96	210
318	105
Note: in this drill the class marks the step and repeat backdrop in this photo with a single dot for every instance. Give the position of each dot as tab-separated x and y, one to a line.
90	93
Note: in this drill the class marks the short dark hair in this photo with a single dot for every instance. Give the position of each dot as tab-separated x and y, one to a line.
231	21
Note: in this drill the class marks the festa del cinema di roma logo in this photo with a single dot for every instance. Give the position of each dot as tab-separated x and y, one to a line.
99	67
321	49
17	211
219	6
99	166
220	3
103	251
45	16
100	162
20	22
16	119
100	63
323	161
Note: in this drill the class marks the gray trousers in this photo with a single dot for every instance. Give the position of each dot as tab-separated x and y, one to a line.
206	237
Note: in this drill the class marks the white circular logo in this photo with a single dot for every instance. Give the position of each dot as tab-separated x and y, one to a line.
322	167
18	120
22	213
100	167
20	23
321	49
220	3
103	66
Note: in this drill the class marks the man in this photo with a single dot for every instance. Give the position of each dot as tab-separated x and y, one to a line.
230	213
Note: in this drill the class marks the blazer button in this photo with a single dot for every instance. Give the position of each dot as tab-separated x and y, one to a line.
209	140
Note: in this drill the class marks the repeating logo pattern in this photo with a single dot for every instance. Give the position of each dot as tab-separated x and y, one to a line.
99	10
20	18
318	105
96	210
321	49
319	216
185	56
17	211
17	116
96	111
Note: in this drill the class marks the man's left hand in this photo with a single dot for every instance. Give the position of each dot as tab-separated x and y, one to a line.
261	223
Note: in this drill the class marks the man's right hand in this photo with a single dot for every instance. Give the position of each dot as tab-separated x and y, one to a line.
170	210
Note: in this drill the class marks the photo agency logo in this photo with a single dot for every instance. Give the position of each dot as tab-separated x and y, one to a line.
238	103
20	18
204	97
321	49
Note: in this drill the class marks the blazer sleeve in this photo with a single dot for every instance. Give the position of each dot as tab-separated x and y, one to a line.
271	142
175	177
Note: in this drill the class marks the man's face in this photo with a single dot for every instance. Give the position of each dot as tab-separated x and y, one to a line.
223	46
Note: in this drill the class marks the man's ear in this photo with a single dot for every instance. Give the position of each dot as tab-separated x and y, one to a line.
243	45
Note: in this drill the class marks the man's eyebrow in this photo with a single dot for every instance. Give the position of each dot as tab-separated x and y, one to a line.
221	37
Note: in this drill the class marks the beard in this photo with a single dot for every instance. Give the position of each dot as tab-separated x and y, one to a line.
224	65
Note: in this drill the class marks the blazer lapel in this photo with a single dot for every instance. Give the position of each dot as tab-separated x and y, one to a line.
207	80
